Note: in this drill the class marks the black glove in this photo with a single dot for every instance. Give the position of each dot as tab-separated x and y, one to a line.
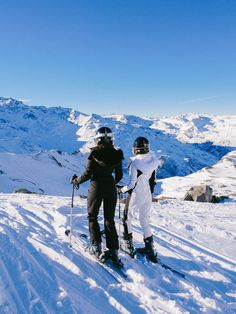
118	188
74	181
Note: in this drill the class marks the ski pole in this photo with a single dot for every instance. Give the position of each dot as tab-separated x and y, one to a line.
119	197
71	210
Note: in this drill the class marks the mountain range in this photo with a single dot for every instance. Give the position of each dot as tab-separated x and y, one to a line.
40	147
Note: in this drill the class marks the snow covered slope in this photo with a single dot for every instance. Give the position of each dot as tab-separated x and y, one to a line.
221	177
195	128
43	172
26	129
41	274
40	149
38	144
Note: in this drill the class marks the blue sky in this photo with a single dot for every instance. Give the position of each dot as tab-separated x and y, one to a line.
143	57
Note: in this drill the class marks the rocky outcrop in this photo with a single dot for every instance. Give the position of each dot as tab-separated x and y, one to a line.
24	191
201	193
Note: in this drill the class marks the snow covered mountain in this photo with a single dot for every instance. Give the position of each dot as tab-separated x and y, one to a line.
25	129
40	148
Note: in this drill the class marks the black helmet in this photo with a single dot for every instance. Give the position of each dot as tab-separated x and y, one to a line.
104	135
141	145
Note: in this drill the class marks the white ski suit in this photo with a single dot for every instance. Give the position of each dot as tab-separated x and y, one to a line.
140	171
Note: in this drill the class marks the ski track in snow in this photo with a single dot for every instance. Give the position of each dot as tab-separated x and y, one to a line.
40	273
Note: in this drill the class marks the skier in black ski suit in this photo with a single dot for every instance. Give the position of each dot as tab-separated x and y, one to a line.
103	160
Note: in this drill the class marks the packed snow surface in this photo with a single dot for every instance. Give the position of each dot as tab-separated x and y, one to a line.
40	273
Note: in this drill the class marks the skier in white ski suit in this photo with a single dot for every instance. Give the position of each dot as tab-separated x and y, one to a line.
141	185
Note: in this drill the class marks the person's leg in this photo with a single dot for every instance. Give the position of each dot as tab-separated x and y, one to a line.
93	203
112	242
109	204
144	219
127	235
127	220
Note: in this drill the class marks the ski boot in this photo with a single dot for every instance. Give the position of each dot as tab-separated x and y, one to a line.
129	246
96	250
150	250
111	254
115	258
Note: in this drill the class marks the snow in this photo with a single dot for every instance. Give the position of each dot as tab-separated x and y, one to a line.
40	273
41	148
196	128
44	172
221	177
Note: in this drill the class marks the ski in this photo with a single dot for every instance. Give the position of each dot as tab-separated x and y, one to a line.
141	251
172	269
138	252
81	241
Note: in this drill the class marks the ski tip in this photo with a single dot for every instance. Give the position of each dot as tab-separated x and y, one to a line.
67	232
83	235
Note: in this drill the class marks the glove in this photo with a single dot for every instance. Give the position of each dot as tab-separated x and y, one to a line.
118	188
74	181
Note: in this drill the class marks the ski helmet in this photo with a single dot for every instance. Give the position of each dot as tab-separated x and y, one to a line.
104	135
141	145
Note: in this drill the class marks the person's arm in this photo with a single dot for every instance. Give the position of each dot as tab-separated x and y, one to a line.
133	174
87	172
152	181
118	173
118	167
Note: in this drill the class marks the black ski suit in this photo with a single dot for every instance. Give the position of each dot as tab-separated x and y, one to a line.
102	162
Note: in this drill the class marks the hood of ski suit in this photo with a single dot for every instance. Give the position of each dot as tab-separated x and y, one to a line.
146	163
